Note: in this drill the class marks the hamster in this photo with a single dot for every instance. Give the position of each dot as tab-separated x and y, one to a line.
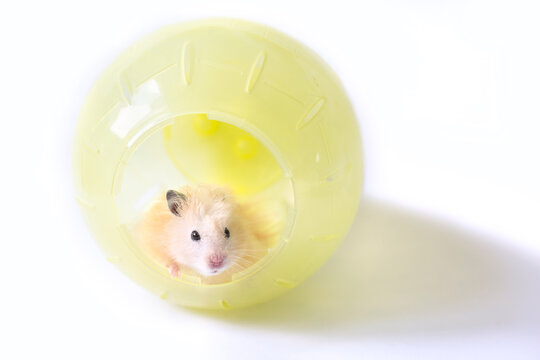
203	229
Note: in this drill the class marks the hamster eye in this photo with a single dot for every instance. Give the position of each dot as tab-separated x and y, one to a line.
195	236
227	233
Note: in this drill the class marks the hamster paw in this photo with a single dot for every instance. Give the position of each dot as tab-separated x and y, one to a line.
173	270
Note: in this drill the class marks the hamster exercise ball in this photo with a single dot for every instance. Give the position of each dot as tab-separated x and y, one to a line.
220	101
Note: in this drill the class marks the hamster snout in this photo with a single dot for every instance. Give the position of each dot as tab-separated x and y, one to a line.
216	260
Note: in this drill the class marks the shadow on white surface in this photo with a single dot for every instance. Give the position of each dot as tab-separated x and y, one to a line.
401	272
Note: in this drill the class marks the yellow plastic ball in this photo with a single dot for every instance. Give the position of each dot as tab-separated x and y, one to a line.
220	101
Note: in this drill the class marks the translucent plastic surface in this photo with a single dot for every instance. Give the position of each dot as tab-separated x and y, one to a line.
220	101
220	153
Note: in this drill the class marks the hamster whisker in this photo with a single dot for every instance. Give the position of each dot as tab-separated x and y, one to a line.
237	267
240	261
237	259
250	250
250	256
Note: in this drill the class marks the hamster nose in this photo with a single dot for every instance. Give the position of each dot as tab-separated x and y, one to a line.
216	260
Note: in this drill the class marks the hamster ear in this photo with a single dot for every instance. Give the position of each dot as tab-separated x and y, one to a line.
175	200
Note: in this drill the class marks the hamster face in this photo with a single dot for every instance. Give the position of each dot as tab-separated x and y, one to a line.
201	234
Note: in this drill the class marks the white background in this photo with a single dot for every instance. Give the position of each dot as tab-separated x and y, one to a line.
443	261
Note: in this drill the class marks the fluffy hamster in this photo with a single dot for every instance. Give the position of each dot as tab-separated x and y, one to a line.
202	228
